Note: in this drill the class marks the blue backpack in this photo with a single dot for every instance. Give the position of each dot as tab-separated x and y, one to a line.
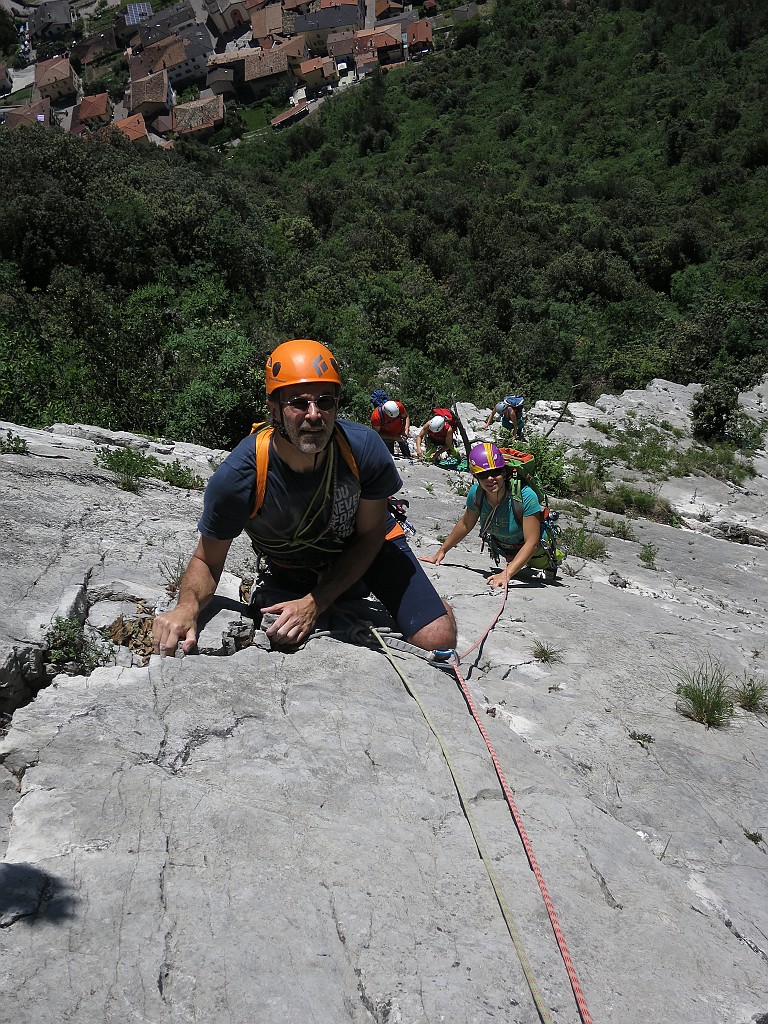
378	398
516	402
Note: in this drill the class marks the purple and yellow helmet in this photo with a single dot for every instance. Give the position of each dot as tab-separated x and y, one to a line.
485	456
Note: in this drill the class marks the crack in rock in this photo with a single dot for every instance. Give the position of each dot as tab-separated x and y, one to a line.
608	896
198	738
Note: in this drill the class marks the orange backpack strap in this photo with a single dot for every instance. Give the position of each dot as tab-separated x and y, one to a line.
263	435
346	451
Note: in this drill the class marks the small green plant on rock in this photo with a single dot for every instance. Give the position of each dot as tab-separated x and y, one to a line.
643	738
13	444
605	428
620	528
754	837
179	476
705	694
172	571
545	652
68	645
429	487
751	694
582	543
571	568
647	556
129	465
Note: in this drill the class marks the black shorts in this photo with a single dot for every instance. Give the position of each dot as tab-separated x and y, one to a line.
395	577
398	580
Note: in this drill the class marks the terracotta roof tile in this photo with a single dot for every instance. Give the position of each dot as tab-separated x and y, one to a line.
198	115
296	47
289	115
420	32
30	114
267	21
48	72
165	54
262	65
94	106
152	89
132	127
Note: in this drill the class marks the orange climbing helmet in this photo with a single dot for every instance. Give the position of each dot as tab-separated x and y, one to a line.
301	362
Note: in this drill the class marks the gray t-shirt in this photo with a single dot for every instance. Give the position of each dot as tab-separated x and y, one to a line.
306	519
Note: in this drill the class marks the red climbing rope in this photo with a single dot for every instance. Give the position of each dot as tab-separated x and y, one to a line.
469	650
572	977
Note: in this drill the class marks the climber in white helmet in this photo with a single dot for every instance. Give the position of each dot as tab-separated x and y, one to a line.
392	423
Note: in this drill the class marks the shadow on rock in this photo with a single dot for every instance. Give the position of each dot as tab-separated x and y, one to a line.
29	895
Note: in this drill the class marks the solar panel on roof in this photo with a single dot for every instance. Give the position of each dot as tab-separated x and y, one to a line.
134	13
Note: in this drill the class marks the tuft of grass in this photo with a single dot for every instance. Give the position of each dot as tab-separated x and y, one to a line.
619	528
571	569
751	694
461	486
643	738
13	444
625	499
429	487
754	837
129	465
546	653
179	476
67	644
647	556
704	693
172	571
605	428
583	544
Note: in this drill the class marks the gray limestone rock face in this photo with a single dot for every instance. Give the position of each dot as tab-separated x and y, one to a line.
249	835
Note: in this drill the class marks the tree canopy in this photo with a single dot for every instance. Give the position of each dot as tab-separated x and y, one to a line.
561	195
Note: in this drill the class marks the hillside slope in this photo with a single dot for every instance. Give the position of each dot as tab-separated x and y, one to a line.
275	837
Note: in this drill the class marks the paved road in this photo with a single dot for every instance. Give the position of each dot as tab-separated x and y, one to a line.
21	79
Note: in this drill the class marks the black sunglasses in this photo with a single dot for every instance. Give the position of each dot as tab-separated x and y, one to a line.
488	473
323	402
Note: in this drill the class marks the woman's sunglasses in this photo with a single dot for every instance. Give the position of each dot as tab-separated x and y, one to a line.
323	402
488	473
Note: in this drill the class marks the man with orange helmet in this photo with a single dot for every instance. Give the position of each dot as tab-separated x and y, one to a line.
311	493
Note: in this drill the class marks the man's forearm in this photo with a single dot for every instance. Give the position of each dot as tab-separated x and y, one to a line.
198	585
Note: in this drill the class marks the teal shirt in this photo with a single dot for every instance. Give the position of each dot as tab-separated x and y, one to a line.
504	526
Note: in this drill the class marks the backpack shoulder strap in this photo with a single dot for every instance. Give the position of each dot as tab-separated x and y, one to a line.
516	499
263	435
346	451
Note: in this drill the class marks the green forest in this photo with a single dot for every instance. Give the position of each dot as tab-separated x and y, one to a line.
567	197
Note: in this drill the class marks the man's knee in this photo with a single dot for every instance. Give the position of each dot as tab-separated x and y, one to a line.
438	635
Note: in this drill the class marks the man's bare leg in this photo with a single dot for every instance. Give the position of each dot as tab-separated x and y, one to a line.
438	635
